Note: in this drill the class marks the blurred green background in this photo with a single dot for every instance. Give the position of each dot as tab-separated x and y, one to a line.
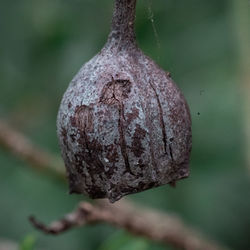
202	43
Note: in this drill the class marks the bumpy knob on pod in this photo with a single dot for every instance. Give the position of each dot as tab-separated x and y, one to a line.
123	124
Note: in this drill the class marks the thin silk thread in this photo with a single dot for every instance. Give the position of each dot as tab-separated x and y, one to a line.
156	35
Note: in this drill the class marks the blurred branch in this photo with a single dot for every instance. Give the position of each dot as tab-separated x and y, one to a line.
151	224
8	245
241	28
23	148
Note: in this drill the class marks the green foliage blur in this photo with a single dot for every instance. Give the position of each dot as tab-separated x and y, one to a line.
42	46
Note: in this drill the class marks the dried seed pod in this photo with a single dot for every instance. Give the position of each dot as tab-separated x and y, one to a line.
123	125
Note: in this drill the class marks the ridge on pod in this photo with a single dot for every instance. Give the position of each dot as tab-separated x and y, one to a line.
123	124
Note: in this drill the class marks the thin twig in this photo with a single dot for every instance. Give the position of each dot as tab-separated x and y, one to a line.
150	224
23	148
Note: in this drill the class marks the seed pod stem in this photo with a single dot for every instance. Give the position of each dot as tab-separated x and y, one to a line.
122	28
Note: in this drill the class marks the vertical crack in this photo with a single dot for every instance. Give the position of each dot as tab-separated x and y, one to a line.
163	127
171	152
145	108
123	144
114	92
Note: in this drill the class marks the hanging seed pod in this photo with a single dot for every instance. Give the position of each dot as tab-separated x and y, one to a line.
123	125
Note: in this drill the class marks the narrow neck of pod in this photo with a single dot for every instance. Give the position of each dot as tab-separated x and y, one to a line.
122	29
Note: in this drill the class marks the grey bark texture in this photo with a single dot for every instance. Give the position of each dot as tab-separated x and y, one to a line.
123	124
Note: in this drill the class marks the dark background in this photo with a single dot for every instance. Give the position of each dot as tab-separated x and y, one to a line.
202	43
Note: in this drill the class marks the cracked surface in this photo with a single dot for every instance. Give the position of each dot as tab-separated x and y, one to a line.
123	124
127	127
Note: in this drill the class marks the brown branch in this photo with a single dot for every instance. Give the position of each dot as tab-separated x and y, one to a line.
150	224
153	225
23	148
